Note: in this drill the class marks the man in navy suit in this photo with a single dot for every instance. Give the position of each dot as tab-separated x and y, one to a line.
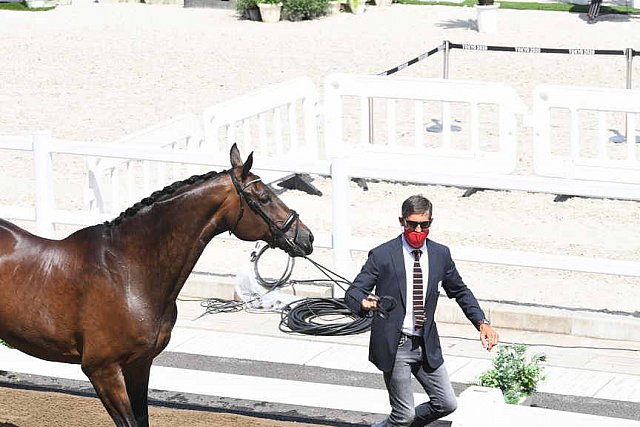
405	341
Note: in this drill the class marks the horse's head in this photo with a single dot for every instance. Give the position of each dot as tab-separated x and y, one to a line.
260	215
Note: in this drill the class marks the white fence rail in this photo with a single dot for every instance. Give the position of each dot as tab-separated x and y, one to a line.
285	152
342	169
23	144
280	121
47	215
487	143
117	183
573	133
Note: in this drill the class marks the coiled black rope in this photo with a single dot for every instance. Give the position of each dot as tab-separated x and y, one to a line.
311	316
271	284
219	305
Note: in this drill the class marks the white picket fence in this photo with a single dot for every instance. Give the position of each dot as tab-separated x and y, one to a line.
464	158
487	145
583	148
117	183
342	169
282	125
280	121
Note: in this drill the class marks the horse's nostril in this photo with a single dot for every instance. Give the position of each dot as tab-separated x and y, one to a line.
310	237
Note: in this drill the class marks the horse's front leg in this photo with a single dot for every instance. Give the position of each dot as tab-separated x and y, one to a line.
136	376
108	381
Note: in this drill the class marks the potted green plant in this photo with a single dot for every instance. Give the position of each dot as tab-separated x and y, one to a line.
333	7
513	374
356	6
40	4
270	10
248	9
298	10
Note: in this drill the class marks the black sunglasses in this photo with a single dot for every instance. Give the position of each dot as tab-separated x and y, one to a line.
414	224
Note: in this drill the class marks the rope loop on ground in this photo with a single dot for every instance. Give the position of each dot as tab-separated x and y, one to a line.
310	317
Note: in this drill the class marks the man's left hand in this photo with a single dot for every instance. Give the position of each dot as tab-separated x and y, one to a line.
488	336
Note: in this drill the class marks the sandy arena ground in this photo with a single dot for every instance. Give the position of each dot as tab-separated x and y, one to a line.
26	408
99	71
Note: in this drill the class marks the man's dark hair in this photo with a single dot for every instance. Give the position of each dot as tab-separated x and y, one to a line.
417	204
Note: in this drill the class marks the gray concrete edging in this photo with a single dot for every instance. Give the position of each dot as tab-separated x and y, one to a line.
549	320
527	318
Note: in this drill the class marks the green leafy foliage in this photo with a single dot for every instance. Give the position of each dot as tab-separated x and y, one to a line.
23	7
298	10
512	373
5	344
558	7
242	6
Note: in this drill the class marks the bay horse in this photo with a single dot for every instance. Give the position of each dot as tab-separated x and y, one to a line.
105	296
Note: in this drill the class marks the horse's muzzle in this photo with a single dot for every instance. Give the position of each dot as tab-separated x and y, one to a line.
301	246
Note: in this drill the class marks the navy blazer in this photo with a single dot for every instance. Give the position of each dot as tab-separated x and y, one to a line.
384	270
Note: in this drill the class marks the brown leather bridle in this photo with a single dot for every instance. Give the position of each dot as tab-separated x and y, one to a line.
276	231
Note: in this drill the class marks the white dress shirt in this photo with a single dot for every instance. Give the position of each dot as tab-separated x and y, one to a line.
409	322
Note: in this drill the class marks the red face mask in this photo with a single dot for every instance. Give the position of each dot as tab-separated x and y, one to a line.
415	239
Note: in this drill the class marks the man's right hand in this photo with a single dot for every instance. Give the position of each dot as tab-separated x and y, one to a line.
370	303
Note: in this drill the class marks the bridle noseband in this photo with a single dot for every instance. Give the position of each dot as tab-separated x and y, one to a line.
276	232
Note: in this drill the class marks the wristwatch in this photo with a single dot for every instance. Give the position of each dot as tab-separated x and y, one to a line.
483	322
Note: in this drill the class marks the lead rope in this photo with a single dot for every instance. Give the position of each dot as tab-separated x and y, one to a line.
385	303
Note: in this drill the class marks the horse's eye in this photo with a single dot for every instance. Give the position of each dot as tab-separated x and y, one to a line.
264	198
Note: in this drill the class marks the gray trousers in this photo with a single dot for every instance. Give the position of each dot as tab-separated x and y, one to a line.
442	399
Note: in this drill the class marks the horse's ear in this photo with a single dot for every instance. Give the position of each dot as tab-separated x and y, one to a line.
247	166
234	155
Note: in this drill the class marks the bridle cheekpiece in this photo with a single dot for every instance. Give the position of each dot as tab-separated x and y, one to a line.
276	232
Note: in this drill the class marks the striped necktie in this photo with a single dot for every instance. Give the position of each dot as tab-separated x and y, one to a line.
418	301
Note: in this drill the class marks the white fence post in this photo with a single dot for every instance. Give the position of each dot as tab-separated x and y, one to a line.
341	222
44	183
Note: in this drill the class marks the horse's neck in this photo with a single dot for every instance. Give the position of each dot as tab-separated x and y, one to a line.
168	238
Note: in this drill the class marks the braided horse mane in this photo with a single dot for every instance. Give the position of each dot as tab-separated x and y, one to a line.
160	195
